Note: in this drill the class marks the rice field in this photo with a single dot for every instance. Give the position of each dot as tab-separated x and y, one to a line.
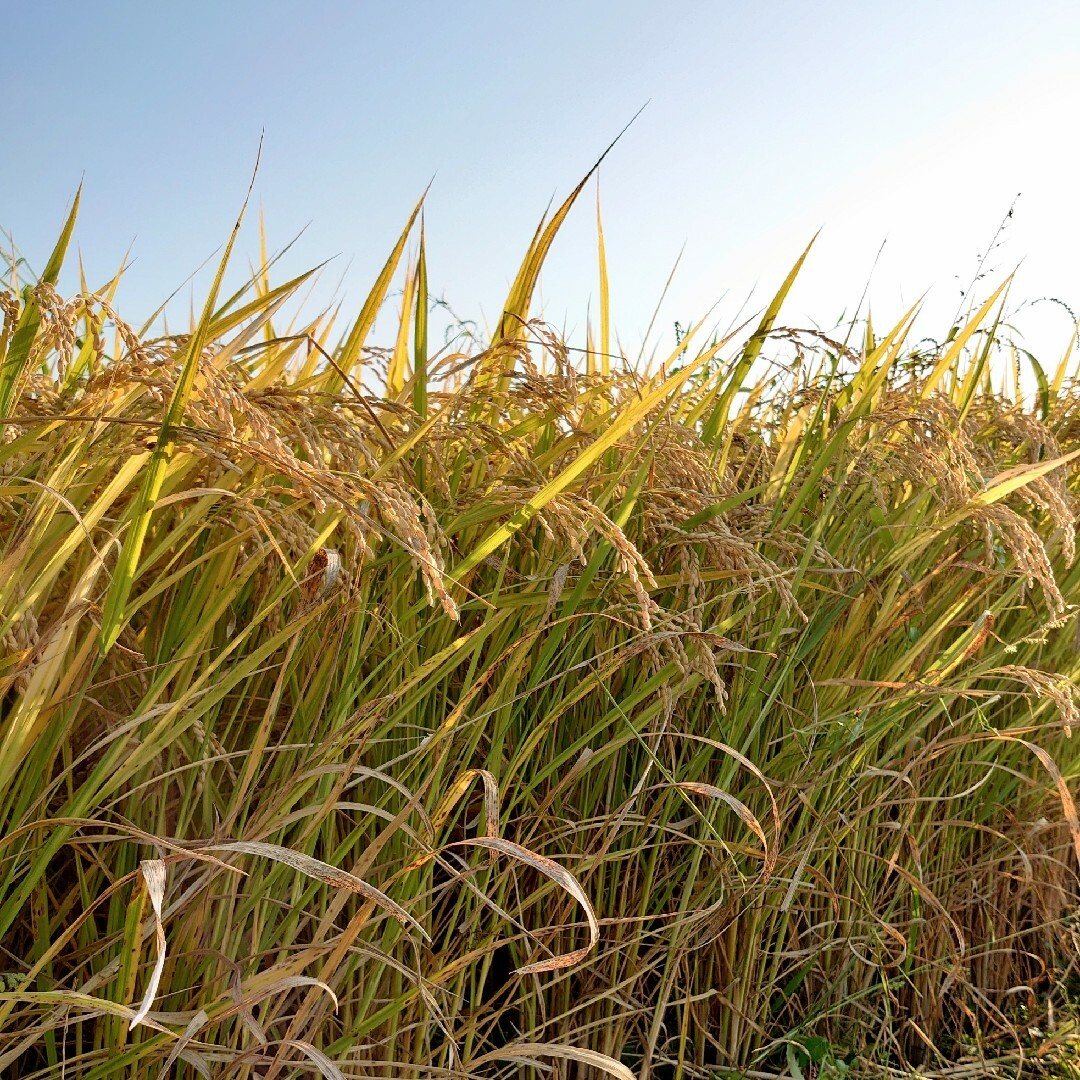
540	714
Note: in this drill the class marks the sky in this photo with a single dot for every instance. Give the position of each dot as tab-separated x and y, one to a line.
904	132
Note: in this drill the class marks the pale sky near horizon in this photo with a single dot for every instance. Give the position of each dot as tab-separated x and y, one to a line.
913	124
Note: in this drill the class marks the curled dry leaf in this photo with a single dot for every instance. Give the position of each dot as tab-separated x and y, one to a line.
1068	804
153	872
740	808
321	1062
458	789
592	1058
771	853
561	876
195	1025
321	871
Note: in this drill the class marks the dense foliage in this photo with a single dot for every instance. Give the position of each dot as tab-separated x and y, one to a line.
537	712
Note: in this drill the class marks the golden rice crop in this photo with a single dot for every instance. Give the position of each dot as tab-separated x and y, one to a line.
539	714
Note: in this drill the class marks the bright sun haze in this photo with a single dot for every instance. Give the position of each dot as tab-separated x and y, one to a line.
915	126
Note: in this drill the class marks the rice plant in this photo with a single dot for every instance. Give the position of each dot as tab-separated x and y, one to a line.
537	714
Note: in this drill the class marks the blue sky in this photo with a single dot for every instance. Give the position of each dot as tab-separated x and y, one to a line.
915	124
